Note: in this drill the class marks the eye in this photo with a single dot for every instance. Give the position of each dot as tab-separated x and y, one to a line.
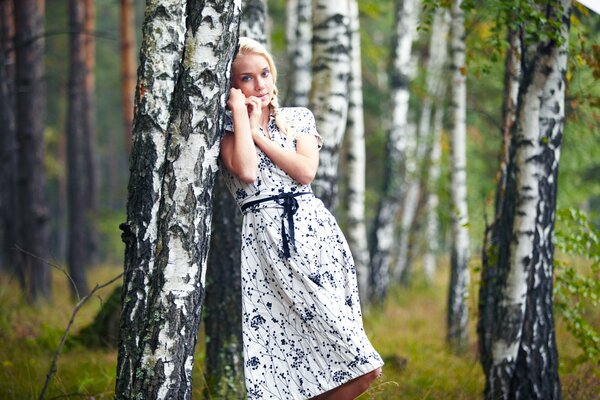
266	73
246	78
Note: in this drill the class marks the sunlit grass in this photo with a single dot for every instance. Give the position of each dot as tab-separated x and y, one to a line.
408	331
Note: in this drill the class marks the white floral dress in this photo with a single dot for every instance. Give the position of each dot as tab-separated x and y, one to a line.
302	324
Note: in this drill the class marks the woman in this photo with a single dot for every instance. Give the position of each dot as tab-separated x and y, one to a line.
302	325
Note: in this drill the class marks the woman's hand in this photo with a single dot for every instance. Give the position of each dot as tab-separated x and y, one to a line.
236	99
253	105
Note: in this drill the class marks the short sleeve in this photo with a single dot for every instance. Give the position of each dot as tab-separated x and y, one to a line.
304	123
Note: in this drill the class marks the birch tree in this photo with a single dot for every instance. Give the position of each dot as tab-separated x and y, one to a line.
418	145
299	36
355	131
458	312
328	97
254	20
380	237
185	59
522	359
223	308
32	203
8	141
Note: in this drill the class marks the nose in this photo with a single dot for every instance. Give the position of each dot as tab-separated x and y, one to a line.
260	83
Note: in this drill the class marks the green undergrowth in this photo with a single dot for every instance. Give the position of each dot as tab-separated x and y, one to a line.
408	331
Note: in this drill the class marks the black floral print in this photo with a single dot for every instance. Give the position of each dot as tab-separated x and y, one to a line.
302	324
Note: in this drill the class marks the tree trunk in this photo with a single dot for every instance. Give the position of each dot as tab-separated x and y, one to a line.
524	359
380	240
89	133
8	142
223	309
32	200
458	311
491	275
185	61
299	36
355	130
331	71
128	67
76	163
254	20
432	236
418	155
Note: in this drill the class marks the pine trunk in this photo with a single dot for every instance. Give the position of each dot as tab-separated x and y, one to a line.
33	239
355	131
76	157
8	141
381	236
491	275
185	60
128	67
89	133
299	36
458	312
331	71
524	360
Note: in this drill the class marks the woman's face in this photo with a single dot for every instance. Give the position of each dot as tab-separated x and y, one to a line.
252	75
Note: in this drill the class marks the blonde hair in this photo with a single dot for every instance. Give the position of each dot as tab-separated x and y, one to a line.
250	46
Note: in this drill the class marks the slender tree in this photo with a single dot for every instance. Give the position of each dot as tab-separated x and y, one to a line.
128	66
185	59
76	163
458	312
8	143
356	159
328	101
523	360
299	36
491	275
380	237
89	131
418	155
32	201
223	306
254	20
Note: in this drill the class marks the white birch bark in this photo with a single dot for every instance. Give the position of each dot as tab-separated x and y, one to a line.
525	359
432	223
355	129
328	97
381	236
183	78
418	144
299	36
458	313
254	21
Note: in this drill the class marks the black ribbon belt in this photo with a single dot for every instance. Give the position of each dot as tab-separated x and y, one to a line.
290	206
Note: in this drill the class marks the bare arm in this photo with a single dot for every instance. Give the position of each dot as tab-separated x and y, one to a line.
301	165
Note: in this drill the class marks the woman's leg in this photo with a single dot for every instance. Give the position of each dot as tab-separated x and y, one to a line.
352	389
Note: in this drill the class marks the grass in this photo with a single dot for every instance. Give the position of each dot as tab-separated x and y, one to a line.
408	331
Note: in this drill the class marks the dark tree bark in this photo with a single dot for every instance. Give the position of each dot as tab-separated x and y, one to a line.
8	143
185	59
76	163
30	117
128	66
89	133
521	359
254	20
223	307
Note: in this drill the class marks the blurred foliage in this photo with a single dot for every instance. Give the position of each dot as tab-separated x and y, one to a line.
577	288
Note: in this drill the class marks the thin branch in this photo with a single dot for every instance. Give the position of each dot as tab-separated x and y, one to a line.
64	337
58	267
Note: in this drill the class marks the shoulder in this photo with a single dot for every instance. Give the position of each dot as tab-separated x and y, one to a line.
297	113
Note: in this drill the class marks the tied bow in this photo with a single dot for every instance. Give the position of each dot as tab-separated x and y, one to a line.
290	206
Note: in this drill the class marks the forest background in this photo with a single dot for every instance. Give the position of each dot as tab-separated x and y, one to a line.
579	186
